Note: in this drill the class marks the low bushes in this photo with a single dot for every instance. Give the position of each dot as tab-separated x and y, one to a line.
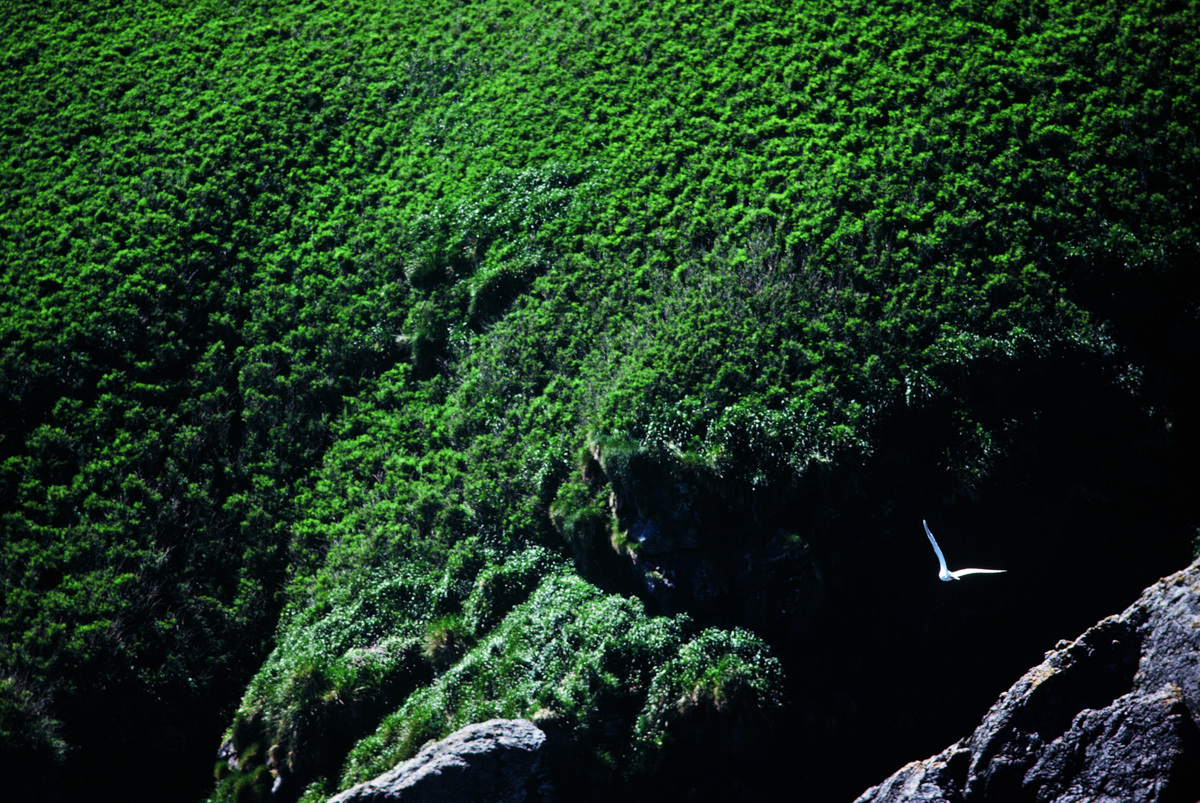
593	666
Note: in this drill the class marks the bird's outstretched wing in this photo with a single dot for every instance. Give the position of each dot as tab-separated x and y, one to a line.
961	572
944	573
941	558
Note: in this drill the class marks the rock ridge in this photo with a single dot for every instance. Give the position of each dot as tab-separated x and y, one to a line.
1112	716
498	761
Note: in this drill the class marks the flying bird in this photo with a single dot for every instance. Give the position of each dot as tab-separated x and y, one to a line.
945	574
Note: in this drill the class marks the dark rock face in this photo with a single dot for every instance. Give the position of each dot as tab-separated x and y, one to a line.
1111	716
499	761
699	544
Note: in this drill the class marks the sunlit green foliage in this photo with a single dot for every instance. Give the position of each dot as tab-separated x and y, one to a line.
578	659
730	673
315	305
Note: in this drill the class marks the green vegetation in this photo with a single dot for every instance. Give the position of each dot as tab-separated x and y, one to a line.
330	330
723	672
30	745
570	655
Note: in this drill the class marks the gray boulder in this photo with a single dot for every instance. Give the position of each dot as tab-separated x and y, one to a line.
499	761
1111	716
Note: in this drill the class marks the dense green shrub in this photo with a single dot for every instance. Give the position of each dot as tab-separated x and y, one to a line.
446	640
580	660
594	665
501	587
344	663
727	674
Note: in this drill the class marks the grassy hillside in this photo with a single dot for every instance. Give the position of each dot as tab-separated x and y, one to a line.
329	330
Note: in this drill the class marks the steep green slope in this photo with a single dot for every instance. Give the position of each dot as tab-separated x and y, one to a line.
358	312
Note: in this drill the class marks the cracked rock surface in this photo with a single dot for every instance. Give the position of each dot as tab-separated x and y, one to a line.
1112	716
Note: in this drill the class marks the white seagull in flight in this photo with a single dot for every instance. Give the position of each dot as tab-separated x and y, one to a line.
945	574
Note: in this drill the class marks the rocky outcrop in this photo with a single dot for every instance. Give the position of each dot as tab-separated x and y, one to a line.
499	761
690	541
1111	716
